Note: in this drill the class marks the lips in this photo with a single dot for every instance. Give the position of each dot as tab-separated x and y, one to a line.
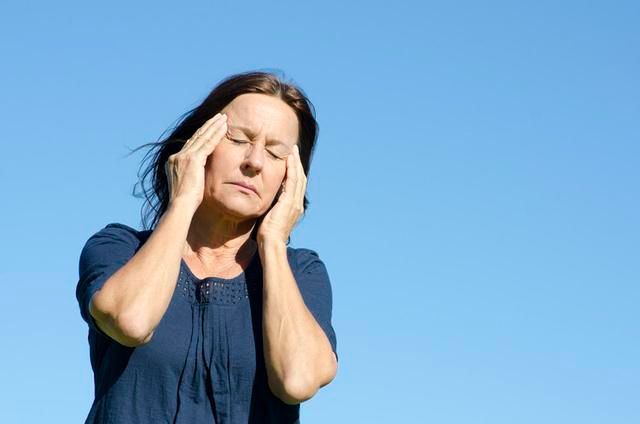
246	185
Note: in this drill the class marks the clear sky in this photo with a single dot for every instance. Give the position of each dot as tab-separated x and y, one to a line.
474	193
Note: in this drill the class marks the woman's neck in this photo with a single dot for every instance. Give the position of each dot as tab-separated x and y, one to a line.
219	241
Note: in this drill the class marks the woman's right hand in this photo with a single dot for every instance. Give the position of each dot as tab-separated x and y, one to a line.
186	169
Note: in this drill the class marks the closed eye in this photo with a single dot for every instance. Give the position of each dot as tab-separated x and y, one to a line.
273	155
236	141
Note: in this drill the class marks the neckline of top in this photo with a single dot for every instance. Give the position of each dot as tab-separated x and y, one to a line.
183	265
238	277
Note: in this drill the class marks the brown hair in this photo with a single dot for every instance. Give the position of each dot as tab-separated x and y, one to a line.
157	196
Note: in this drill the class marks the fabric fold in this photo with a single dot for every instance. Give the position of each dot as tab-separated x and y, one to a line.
193	385
220	370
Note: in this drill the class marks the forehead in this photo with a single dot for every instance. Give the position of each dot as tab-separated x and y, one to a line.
265	116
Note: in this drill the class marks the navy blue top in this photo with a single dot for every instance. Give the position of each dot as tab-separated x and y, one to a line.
205	362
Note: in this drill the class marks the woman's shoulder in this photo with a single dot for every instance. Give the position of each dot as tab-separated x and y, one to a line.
118	232
303	258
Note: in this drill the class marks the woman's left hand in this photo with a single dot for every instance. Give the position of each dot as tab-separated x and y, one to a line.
280	220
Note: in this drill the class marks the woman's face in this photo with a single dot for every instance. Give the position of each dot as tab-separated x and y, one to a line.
262	131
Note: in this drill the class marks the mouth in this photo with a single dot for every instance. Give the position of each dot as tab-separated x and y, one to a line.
247	187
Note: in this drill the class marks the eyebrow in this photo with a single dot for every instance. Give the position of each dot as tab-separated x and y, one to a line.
252	134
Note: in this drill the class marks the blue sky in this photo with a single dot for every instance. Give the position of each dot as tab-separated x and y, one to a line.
474	192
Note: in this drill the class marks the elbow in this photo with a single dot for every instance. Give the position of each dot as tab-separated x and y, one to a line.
330	371
132	331
127	330
294	392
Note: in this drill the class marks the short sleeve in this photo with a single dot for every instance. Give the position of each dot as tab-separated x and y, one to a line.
315	287
102	255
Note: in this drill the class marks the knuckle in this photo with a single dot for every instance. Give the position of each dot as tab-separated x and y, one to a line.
189	158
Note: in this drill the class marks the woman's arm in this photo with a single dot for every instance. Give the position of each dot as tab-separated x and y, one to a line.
134	299
298	355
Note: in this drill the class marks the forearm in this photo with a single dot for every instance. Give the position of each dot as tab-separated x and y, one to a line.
133	300
298	356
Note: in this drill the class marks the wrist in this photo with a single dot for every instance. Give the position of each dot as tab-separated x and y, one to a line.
183	205
266	243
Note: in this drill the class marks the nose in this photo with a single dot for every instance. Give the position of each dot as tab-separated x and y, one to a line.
254	157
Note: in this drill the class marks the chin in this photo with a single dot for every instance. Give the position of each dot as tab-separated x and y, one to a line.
242	208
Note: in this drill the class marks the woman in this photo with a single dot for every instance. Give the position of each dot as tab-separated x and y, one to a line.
209	316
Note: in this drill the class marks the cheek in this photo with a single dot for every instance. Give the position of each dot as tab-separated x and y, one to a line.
214	171
210	167
222	159
274	182
280	177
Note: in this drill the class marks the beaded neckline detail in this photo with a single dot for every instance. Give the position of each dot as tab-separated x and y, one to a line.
221	291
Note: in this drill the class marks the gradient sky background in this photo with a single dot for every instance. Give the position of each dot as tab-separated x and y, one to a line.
474	193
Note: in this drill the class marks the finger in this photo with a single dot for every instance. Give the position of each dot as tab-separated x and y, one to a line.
300	177
212	138
202	131
289	178
206	130
198	133
294	180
